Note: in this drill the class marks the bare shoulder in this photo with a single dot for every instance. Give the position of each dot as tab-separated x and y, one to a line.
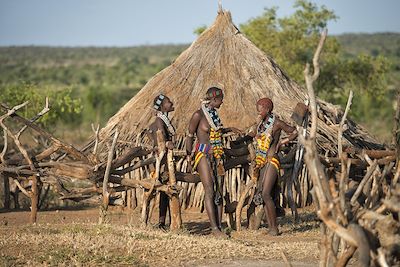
159	123
197	114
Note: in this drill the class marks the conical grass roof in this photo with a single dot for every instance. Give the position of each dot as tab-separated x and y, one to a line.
223	57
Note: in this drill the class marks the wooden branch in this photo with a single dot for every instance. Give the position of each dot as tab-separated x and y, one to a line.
147	196
5	147
47	152
322	195
128	156
39	115
342	185
18	172
317	55
360	187
337	228
106	195
346	256
34	196
372	153
341	124
96	134
309	83
15	139
72	151
12	110
137	165
22	189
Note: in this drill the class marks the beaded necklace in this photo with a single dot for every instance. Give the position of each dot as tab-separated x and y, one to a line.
211	116
215	132
164	117
264	132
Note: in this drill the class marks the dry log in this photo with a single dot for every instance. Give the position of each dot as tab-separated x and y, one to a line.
74	170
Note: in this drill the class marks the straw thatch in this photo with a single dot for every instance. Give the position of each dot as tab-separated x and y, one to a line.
223	57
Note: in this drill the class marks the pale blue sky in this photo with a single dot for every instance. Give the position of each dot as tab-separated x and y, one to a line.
134	22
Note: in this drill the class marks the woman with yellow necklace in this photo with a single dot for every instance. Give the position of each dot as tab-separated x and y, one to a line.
268	144
207	126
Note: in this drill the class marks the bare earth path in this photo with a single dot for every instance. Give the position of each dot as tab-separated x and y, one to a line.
72	237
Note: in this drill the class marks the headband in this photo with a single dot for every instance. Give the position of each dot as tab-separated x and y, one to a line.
214	93
158	102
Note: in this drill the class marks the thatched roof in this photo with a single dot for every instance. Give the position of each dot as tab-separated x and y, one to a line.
223	57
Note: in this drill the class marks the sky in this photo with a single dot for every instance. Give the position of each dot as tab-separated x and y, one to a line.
149	22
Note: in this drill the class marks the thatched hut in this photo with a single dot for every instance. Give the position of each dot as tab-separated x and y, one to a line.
224	57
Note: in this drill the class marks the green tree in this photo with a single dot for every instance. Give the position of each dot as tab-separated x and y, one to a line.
64	107
292	40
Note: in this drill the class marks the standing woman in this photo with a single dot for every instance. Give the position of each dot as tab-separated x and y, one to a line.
207	126
163	105
268	144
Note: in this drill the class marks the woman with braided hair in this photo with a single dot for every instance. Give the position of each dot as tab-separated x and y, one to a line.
268	143
163	105
207	126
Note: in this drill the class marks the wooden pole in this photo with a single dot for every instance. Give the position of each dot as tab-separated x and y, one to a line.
6	184
176	218
148	195
106	194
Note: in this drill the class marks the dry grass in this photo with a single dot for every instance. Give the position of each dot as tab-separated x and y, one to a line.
90	244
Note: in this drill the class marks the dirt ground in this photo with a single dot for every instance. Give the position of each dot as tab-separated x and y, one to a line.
73	237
